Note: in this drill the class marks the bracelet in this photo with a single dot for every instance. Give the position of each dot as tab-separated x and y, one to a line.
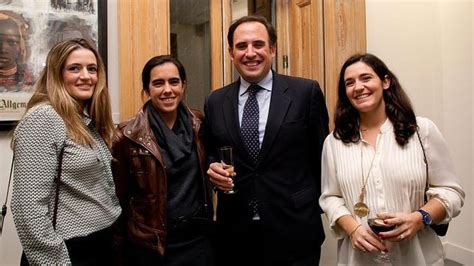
353	231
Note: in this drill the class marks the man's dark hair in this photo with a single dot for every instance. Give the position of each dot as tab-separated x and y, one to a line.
270	29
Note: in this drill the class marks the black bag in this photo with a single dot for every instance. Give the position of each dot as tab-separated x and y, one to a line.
4	207
440	229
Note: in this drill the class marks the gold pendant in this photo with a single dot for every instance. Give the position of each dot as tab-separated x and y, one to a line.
361	210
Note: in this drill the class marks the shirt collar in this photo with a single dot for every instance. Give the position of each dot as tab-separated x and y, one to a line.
386	126
86	119
265	83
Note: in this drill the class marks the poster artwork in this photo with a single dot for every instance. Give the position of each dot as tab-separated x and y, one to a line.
28	30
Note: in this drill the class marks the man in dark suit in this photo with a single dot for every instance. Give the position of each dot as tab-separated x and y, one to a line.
277	130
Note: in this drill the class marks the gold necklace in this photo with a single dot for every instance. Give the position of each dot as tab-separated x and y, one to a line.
360	208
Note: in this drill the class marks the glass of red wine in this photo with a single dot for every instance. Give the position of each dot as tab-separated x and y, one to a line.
377	225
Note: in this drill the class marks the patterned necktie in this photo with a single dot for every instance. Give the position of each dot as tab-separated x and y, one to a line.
249	127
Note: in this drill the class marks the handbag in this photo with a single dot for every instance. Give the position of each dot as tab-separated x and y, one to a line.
440	229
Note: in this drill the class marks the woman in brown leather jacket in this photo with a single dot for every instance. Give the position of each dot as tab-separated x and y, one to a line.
158	166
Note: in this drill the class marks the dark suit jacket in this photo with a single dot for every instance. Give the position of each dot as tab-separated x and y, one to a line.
286	178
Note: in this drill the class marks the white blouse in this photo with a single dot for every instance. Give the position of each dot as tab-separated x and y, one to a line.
396	183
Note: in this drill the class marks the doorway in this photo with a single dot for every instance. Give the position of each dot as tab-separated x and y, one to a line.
190	42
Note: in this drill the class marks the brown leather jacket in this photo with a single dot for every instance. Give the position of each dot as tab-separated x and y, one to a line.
140	180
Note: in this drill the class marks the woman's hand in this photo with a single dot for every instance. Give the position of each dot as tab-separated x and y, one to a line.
407	225
219	177
365	240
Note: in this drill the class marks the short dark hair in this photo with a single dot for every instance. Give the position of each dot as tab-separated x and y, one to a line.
160	60
397	104
270	29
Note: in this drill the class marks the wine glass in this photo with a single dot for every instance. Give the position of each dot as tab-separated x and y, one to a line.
227	160
377	225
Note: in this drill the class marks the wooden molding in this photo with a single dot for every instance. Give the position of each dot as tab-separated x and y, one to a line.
143	33
217	45
282	28
344	35
303	3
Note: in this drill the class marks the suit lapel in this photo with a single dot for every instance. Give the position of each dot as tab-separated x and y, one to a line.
231	117
279	105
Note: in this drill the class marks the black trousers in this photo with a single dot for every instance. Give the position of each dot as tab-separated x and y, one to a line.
188	244
94	249
247	247
194	252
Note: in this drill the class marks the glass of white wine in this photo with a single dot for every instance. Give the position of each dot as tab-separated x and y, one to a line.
227	160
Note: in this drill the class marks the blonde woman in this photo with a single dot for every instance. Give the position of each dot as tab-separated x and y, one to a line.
69	113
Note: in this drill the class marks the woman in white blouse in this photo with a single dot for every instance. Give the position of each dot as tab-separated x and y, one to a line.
69	113
373	164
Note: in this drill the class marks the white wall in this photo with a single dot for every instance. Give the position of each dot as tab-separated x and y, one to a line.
429	46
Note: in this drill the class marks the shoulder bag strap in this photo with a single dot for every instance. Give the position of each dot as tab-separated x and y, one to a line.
426	164
57	180
4	207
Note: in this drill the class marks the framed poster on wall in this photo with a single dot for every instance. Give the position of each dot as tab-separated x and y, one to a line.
28	29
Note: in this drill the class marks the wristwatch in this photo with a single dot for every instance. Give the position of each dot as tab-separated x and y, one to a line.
427	220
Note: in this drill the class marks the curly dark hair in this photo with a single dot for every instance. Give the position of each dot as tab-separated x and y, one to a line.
397	104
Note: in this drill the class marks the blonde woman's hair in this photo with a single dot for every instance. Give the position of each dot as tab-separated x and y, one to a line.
50	89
